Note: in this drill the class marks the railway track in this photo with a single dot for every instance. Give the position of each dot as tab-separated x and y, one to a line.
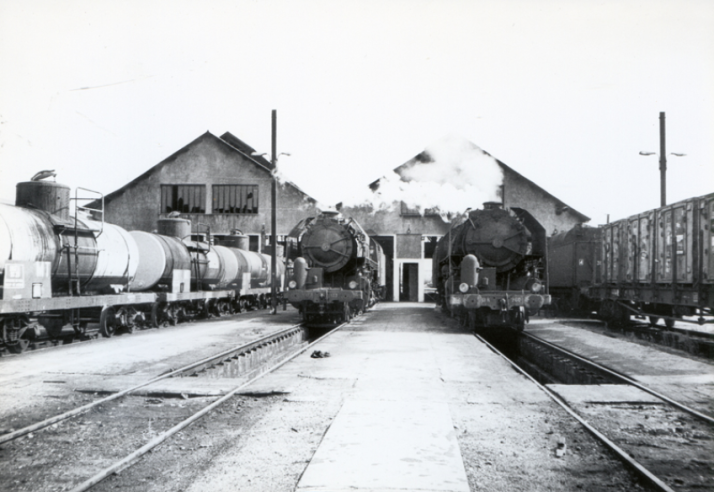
91	333
648	436
82	435
692	341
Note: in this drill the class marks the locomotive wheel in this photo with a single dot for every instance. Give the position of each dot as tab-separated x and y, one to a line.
107	322
346	318
520	320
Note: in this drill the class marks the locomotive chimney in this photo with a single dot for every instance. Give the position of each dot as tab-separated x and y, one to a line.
492	205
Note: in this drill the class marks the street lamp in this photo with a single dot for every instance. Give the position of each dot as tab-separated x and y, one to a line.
662	160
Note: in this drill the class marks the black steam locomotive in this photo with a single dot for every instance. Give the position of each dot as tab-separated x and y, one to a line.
490	269
338	270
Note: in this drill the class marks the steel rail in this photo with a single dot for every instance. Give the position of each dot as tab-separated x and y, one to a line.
80	410
624	379
131	458
629	460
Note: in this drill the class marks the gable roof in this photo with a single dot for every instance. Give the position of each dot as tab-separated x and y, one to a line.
227	139
424	157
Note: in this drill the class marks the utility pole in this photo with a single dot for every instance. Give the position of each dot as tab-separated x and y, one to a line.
274	219
662	162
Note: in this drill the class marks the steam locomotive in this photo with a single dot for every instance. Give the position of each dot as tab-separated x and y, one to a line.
338	270
59	271
657	264
490	269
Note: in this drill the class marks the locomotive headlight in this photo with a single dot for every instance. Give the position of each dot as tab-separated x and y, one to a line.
292	284
464	288
536	287
352	285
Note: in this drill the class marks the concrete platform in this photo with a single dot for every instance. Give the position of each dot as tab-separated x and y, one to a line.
388	445
407	401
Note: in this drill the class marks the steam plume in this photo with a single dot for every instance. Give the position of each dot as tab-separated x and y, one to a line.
451	175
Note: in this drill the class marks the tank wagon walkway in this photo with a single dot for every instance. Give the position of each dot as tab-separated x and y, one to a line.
406	400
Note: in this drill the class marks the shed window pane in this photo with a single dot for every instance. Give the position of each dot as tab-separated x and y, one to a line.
235	199
183	198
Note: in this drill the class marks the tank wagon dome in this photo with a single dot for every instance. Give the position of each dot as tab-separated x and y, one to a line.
497	238
48	196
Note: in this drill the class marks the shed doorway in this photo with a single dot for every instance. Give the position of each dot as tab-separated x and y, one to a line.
409	282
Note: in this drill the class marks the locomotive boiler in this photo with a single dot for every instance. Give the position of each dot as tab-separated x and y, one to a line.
338	270
490	269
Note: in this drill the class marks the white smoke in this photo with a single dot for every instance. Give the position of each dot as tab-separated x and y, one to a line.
451	175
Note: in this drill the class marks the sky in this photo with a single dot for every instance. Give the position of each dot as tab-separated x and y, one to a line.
566	93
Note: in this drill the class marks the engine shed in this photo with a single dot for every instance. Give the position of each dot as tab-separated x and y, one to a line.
408	232
217	182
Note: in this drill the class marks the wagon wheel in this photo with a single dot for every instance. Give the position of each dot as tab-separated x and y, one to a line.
155	315
223	307
654	320
19	346
206	308
107	322
669	323
172	314
13	330
81	329
130	324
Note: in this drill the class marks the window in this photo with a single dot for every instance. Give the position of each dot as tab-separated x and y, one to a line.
235	199
183	198
429	245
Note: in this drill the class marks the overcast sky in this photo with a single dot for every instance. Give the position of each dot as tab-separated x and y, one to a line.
565	92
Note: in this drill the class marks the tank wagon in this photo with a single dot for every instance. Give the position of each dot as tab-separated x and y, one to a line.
338	270
490	269
655	264
59	271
